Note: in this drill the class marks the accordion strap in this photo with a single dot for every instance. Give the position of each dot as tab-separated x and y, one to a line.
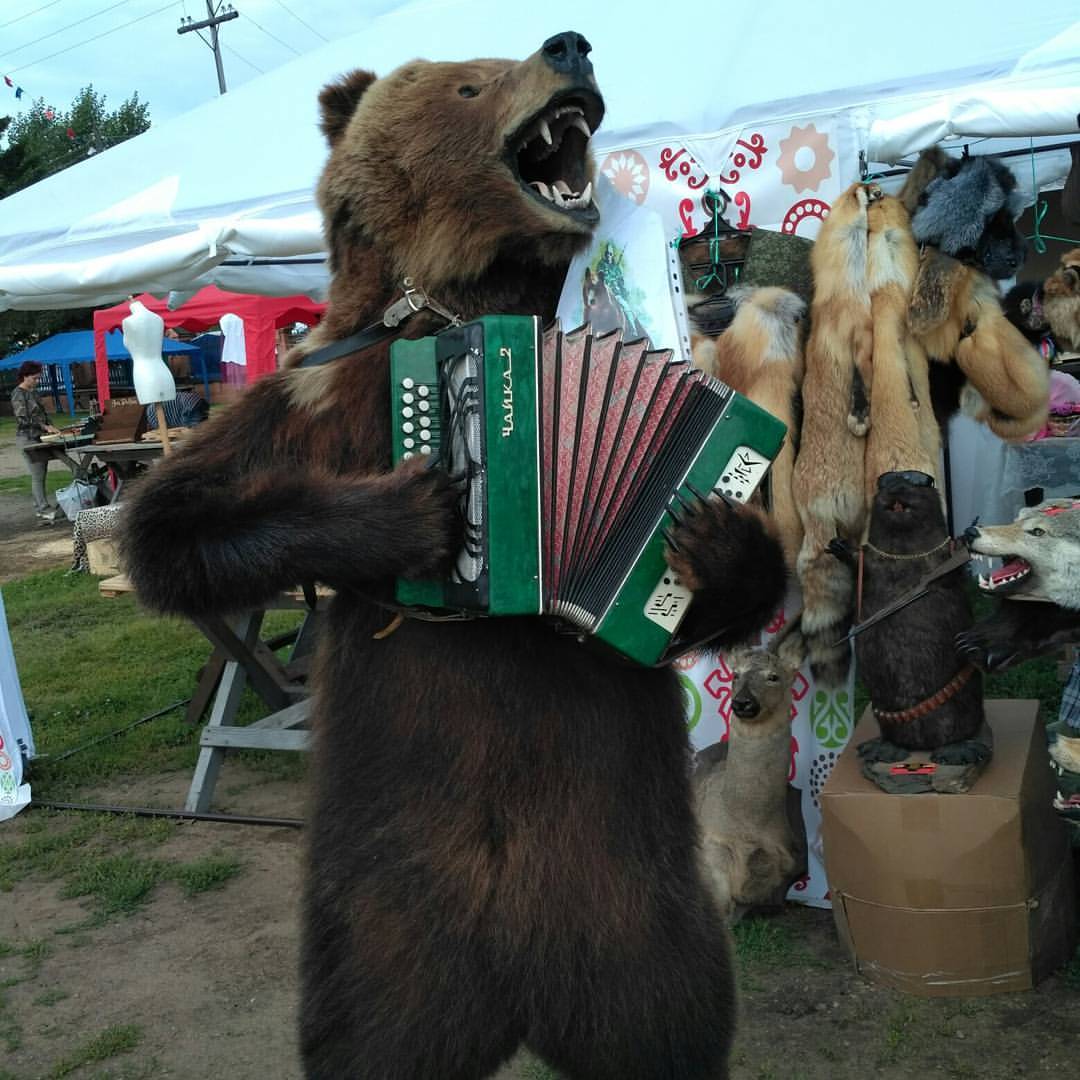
414	300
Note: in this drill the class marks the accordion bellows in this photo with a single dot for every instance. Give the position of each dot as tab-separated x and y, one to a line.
570	448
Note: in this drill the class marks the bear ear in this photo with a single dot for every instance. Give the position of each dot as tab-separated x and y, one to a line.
338	101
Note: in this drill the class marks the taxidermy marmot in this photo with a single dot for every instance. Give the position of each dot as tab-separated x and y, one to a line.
907	658
760	356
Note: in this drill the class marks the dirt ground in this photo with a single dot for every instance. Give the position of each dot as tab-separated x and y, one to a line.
26	543
211	982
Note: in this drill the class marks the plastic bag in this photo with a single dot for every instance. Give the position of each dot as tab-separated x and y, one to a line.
78	495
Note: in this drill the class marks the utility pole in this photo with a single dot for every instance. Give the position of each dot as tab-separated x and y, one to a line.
213	18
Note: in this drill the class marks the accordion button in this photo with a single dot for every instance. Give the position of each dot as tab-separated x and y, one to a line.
408	398
425	449
425	436
425	421
424	406
409	443
408	427
408	454
423	391
407	383
407	412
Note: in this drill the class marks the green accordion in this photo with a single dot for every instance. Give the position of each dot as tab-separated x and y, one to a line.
570	448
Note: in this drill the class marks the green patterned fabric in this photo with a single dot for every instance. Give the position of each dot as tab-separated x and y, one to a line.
779	259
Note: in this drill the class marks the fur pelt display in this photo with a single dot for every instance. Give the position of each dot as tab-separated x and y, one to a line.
1061	301
908	657
957	316
760	355
1022	305
967	208
501	841
828	475
962	214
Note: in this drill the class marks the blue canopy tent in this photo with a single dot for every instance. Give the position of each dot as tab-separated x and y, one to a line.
57	353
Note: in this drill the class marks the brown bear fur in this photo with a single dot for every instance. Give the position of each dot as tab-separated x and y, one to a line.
760	356
502	848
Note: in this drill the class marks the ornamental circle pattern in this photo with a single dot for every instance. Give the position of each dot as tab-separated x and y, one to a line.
805	157
628	172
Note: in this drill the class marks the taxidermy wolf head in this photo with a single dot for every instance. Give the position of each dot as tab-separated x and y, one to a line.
1041	553
967	208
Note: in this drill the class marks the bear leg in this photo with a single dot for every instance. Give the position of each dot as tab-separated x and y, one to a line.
659	1005
400	1003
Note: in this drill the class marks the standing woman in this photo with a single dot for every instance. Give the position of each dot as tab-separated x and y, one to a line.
31	422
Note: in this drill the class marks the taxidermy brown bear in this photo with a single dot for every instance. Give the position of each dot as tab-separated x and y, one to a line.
923	697
502	848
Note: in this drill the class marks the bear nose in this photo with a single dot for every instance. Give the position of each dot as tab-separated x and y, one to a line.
568	54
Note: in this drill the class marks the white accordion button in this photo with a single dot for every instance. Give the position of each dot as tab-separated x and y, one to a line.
408	384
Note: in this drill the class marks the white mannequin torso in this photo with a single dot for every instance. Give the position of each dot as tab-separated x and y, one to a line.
143	334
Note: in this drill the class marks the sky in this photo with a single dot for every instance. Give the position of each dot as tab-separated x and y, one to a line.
53	48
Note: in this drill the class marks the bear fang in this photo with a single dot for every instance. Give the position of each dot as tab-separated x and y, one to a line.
508	392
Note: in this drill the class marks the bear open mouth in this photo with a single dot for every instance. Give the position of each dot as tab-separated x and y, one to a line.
1006	578
548	154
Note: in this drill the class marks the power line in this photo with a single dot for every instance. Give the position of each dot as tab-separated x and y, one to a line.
285	44
245	60
12	22
301	21
70	26
96	37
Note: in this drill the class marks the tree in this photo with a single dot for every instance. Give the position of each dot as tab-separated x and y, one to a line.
42	141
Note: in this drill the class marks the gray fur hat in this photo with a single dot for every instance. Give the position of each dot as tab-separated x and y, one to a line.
954	210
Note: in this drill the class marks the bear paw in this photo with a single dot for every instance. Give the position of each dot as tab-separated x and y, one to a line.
964	752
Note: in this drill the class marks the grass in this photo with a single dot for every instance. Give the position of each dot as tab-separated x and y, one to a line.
55	479
118	1039
90	665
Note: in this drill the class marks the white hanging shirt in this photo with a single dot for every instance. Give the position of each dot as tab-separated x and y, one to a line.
233	349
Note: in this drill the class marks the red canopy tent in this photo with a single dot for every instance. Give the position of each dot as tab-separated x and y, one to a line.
262	316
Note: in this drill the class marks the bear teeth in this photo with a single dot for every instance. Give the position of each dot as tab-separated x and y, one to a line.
560	194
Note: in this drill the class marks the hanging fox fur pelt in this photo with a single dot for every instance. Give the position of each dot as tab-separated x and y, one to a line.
956	315
903	431
760	356
828	476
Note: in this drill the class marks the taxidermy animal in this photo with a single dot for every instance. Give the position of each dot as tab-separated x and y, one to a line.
962	214
903	433
1023	308
760	356
501	844
753	838
828	474
1061	301
1038	584
923	697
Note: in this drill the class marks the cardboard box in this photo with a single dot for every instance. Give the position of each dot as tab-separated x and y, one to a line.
954	894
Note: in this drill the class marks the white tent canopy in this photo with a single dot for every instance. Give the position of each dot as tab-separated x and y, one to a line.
224	194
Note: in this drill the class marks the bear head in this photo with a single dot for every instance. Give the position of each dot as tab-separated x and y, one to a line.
440	170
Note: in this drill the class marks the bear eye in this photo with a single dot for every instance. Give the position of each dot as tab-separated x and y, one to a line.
1037	532
774	678
468	91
